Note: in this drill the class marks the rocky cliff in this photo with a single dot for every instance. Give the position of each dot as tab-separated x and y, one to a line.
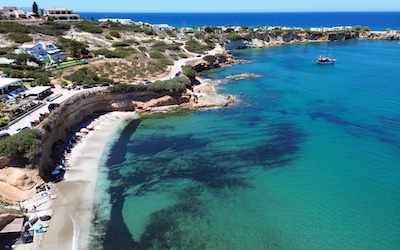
58	127
266	39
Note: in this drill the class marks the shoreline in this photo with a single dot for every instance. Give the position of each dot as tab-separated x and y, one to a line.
72	211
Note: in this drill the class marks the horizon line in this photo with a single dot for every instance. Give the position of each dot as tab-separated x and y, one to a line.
242	12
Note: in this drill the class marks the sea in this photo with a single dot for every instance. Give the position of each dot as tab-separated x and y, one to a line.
378	21
308	158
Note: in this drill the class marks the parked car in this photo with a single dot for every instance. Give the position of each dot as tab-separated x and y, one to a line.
53	106
104	84
71	86
87	86
4	135
21	129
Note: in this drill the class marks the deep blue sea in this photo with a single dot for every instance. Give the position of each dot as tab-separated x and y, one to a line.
308	159
374	20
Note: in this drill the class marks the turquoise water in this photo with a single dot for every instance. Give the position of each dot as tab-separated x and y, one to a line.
308	159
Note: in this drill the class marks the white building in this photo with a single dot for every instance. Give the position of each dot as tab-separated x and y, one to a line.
10	85
42	50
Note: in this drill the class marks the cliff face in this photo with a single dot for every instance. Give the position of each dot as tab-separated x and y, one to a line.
258	39
266	39
57	127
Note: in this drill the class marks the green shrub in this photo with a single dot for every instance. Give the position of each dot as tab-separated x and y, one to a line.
108	37
8	27
189	71
115	34
90	27
175	85
210	58
83	76
124	43
162	46
196	47
25	144
4	121
19	37
156	55
234	37
127	88
142	49
117	53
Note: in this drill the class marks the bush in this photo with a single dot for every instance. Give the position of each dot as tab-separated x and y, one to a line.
8	27
115	34
234	37
162	46
127	88
156	55
83	76
117	53
25	144
175	85
210	58
20	37
196	47
90	27
124	43
108	37
189	71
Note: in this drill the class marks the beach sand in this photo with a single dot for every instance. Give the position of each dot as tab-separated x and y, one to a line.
72	211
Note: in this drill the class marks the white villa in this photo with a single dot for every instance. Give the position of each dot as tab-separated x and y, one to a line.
42	50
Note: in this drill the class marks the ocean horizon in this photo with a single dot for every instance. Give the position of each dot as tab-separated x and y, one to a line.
308	159
377	21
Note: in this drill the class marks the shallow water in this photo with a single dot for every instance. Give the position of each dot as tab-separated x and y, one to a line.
309	159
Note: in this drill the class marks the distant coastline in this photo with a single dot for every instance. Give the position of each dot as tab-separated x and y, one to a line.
377	21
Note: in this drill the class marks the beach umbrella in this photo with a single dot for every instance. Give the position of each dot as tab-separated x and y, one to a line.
90	127
78	134
84	130
59	167
55	172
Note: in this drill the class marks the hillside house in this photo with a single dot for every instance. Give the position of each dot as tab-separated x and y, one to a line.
44	50
12	12
60	14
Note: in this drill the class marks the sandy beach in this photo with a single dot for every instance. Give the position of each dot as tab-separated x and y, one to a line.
72	210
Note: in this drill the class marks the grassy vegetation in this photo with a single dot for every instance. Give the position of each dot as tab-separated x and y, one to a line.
89	26
115	34
175	85
156	55
117	53
125	43
19	37
196	47
162	46
83	76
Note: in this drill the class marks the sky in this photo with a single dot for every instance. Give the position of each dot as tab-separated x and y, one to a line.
211	5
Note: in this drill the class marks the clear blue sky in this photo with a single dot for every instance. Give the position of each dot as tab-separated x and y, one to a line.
211	5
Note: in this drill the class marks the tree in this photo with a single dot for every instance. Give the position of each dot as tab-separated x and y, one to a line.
189	71
25	144
35	9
